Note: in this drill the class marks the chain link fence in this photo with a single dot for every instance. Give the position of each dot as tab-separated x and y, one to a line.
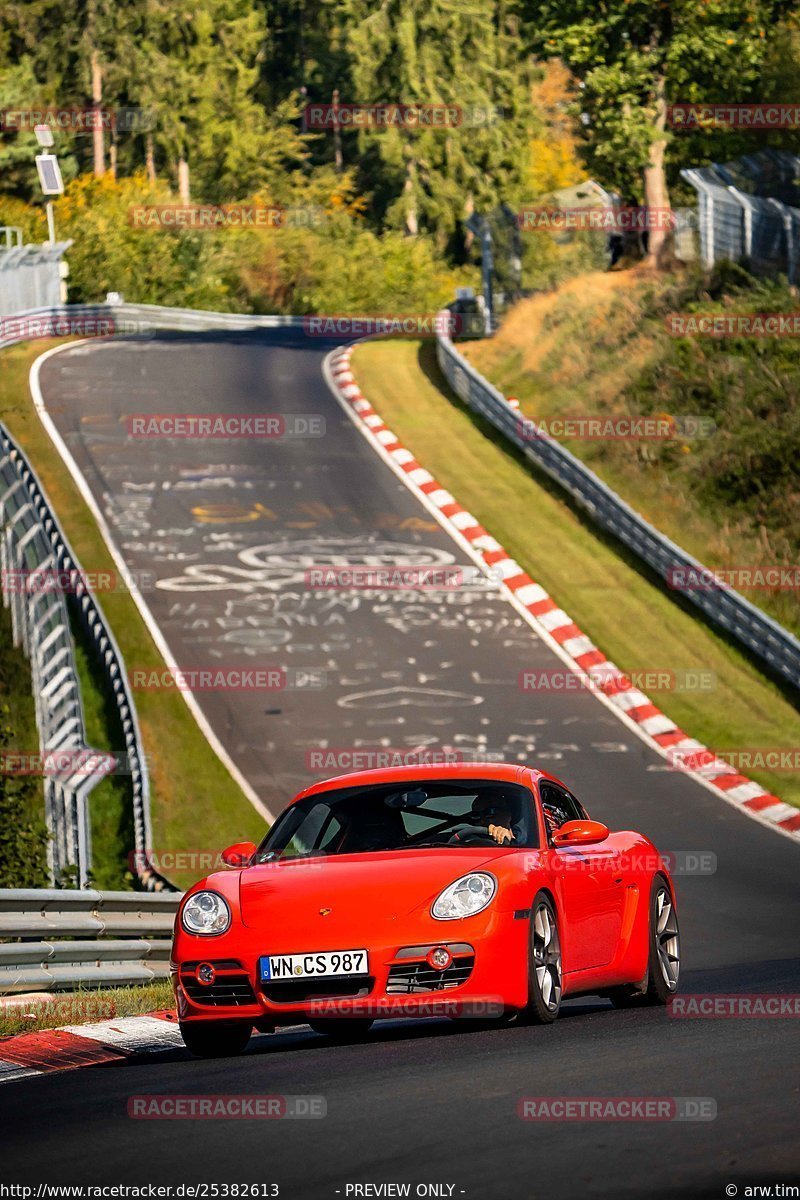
749	211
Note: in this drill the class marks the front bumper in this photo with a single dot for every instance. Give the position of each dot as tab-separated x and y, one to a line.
489	974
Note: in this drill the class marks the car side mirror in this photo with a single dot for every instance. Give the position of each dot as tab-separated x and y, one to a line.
239	854
580	833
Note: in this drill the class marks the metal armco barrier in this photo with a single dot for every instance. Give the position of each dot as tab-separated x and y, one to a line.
99	320
753	629
33	542
40	623
125	938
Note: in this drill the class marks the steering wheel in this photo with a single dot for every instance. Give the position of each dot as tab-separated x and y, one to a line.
471	835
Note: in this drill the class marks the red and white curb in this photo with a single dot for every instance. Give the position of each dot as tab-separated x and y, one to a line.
72	1046
554	625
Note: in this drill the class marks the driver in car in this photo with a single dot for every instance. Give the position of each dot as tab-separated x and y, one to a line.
497	815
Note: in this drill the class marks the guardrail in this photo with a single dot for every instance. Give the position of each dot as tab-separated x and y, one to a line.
94	320
137	949
33	543
40	624
763	637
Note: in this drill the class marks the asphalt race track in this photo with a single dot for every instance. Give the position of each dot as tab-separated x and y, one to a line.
228	528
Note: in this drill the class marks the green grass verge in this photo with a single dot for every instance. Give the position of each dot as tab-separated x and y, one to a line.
83	1007
23	833
111	800
195	803
636	624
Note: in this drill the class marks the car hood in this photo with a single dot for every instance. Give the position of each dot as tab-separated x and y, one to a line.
354	887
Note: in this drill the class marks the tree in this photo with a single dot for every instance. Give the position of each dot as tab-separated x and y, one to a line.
553	150
633	59
82	50
198	72
457	53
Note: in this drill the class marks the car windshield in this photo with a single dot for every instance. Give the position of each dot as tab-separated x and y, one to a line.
403	816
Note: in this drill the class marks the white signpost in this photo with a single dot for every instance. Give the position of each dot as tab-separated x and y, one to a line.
49	175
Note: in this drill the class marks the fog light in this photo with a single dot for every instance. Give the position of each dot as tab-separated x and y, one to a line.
206	974
439	958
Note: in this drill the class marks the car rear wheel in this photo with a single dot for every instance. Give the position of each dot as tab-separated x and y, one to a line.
664	961
544	964
215	1039
343	1029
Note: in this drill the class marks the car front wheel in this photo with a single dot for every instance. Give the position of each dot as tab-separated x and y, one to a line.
544	963
215	1039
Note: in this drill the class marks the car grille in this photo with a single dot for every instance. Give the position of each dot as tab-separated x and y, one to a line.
230	989
295	991
407	978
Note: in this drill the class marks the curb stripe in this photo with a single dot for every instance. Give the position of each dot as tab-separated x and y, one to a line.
71	1046
56	1050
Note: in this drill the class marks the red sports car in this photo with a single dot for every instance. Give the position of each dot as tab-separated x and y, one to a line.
473	891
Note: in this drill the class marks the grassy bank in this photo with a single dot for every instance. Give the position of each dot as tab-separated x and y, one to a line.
638	626
23	834
195	803
82	1007
601	346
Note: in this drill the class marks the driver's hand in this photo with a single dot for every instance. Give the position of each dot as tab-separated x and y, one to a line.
501	834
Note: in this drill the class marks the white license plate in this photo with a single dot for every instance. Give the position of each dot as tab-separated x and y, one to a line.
310	966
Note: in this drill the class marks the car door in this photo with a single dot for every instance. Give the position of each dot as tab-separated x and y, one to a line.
591	885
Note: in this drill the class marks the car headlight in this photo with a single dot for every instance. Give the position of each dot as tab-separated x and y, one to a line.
205	912
467	896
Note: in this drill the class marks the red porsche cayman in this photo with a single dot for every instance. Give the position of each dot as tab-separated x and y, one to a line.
475	891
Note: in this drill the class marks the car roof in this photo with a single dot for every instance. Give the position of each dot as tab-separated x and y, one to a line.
501	772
